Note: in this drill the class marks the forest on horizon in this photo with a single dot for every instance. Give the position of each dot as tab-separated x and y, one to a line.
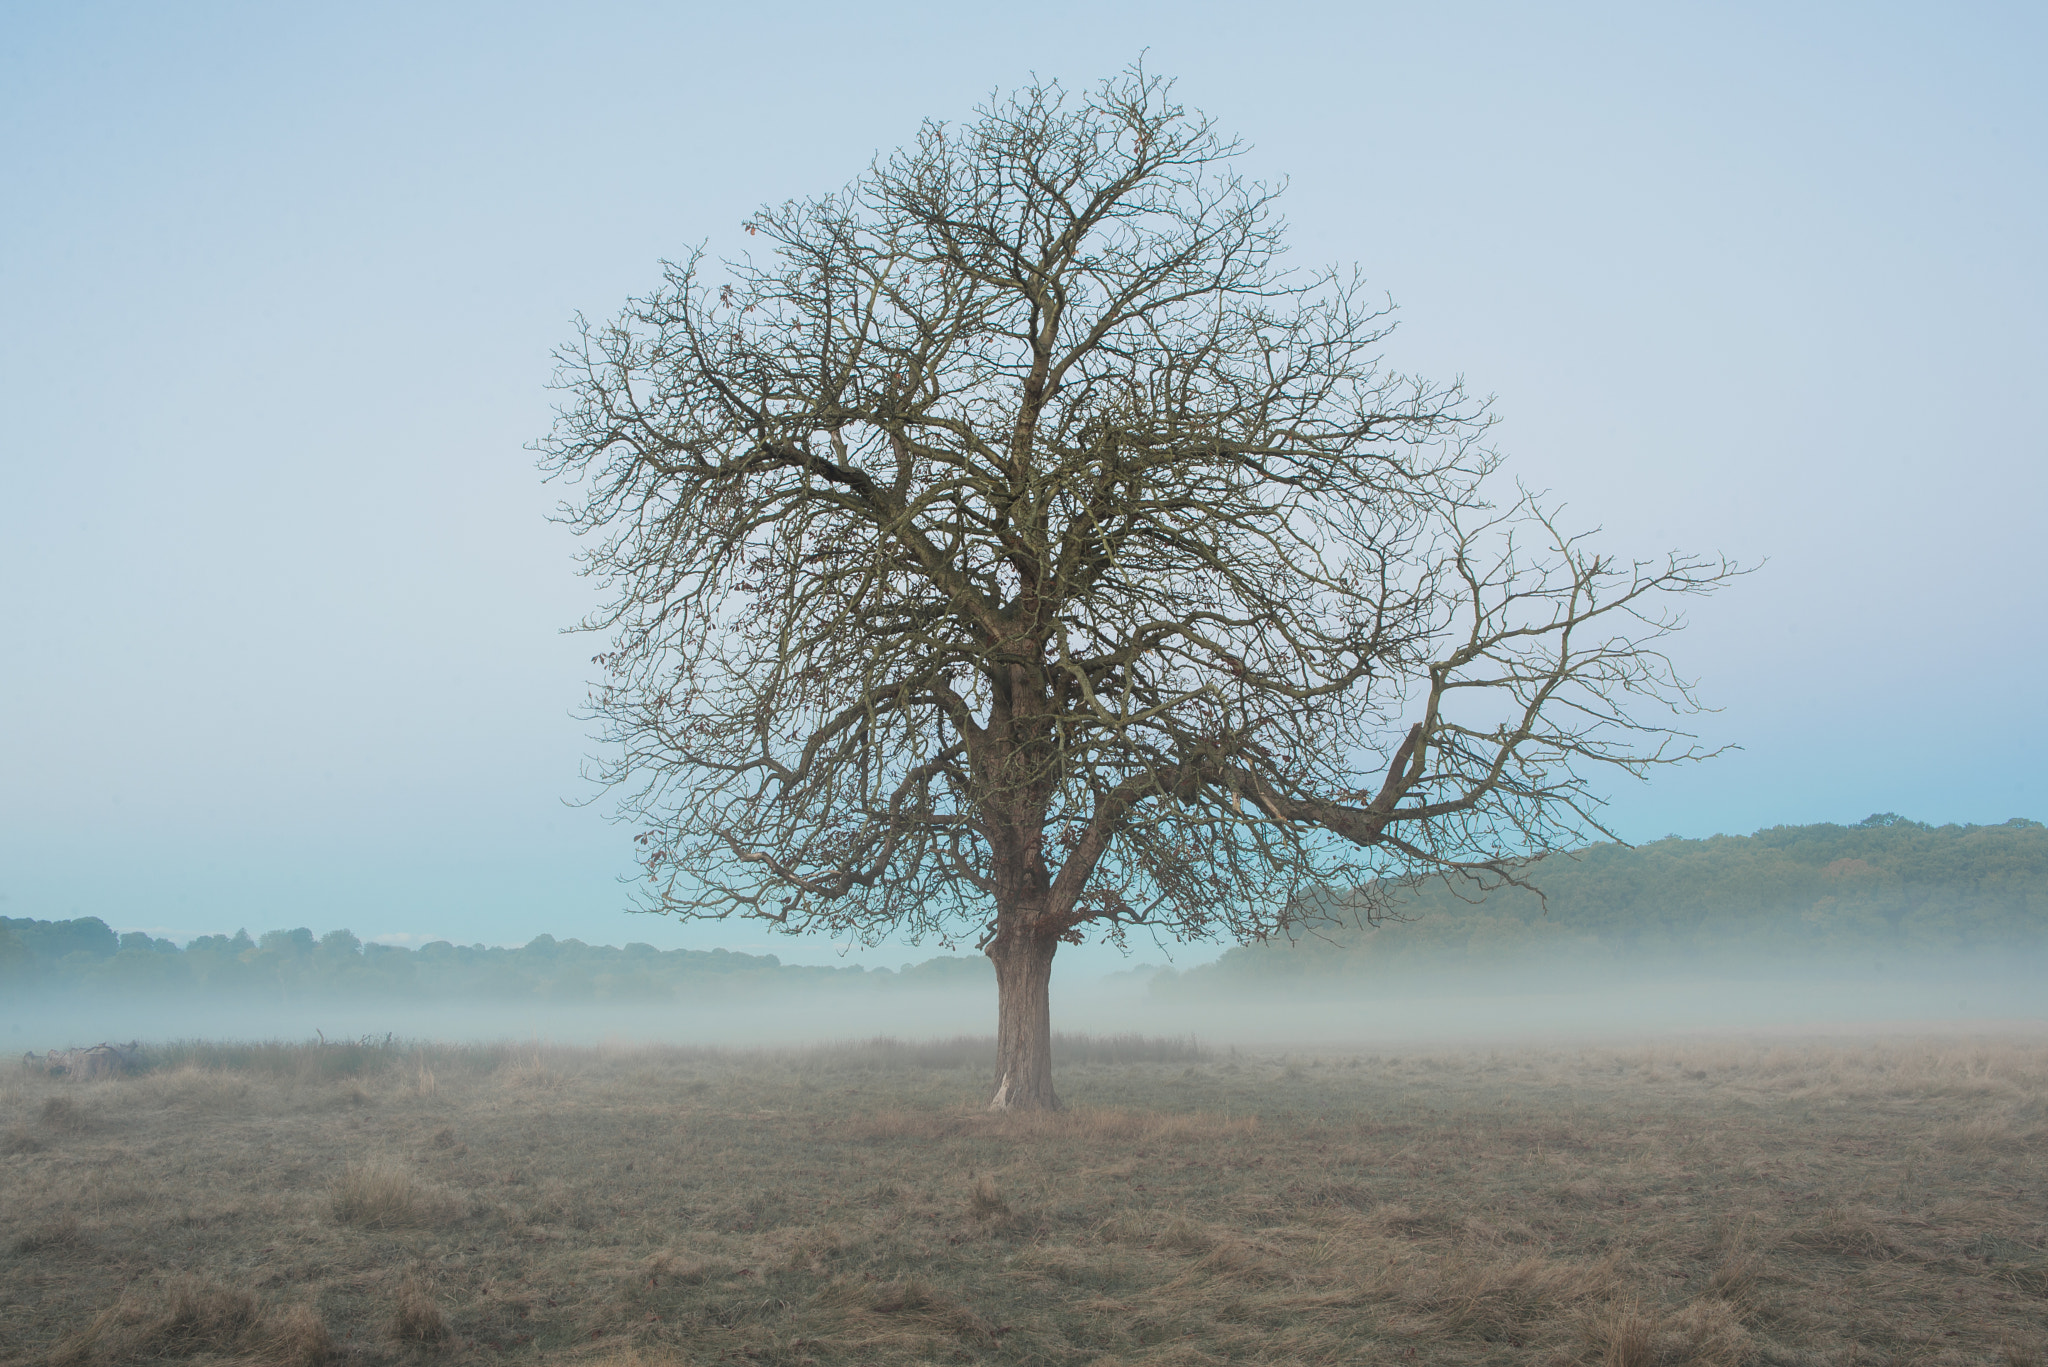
1886	891
1887	894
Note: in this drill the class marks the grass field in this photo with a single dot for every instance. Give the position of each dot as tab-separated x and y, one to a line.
1715	1203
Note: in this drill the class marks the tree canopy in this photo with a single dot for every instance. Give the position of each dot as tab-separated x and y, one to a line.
1019	546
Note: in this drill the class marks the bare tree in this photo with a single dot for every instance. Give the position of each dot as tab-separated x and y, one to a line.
1020	548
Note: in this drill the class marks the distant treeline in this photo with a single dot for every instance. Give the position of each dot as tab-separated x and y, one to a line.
86	954
1886	894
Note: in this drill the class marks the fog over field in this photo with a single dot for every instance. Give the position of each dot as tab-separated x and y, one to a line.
1488	1011
1888	925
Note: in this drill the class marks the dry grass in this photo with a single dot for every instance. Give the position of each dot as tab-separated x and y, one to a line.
60	1235
199	1089
21	1139
383	1194
418	1320
1714	1204
63	1115
192	1319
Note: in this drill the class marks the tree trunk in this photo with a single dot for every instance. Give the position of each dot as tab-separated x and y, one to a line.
1023	1021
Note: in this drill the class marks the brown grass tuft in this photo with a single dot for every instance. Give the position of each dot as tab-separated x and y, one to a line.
985	1202
1184	1236
1736	1277
681	1269
531	1074
2014	1353
1403	1222
1706	1334
199	1089
191	1318
61	1235
1999	1132
915	1300
1239	1262
1622	1335
297	1337
418	1320
1846	1233
62	1114
381	1194
1497	1300
21	1139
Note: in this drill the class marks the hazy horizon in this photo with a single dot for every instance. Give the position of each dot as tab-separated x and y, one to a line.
1634	1008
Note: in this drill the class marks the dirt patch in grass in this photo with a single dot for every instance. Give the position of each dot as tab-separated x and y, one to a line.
1716	1204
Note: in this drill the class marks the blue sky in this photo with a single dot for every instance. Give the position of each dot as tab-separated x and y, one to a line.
279	602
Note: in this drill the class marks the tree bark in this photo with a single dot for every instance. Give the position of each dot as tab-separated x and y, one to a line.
1023	1021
